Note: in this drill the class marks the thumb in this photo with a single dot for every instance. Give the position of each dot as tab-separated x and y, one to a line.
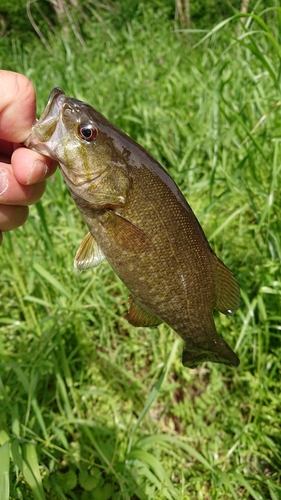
17	106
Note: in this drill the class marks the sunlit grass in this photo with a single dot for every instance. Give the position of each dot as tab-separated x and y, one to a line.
90	406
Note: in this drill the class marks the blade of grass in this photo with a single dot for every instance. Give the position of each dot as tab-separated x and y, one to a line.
4	470
31	471
48	277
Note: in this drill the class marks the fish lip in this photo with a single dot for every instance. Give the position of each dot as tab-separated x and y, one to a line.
44	127
53	101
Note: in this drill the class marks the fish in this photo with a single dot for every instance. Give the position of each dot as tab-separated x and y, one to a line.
140	222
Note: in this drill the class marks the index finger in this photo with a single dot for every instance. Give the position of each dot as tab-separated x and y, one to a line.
17	106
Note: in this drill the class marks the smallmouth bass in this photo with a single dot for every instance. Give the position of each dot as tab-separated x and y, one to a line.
141	223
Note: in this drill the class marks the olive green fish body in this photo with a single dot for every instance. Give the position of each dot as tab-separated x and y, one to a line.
140	222
172	246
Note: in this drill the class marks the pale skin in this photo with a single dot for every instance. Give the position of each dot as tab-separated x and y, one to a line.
22	171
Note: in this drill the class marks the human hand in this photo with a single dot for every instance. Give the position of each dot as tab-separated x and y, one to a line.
22	171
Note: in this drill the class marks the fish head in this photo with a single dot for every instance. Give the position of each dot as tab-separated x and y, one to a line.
79	138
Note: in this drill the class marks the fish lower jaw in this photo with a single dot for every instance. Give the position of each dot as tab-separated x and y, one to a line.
32	142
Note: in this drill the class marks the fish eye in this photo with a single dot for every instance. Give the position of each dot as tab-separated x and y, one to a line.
87	132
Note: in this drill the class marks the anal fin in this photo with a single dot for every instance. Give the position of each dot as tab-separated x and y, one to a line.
138	316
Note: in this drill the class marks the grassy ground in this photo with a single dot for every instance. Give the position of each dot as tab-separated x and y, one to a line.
92	408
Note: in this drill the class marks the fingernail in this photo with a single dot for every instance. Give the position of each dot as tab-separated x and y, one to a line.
3	181
37	172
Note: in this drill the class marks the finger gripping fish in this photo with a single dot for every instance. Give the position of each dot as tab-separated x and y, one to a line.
141	223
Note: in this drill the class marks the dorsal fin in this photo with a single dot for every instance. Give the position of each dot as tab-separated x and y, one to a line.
227	289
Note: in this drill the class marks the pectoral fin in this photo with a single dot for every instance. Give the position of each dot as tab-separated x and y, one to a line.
227	289
138	316
126	235
88	254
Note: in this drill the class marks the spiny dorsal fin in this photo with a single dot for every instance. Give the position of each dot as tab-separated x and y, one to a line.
138	316
88	254
227	289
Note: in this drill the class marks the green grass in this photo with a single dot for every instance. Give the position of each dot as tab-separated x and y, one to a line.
92	408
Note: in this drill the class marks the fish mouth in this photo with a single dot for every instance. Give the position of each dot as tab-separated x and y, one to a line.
44	128
53	105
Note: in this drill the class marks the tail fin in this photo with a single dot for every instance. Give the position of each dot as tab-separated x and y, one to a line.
199	348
